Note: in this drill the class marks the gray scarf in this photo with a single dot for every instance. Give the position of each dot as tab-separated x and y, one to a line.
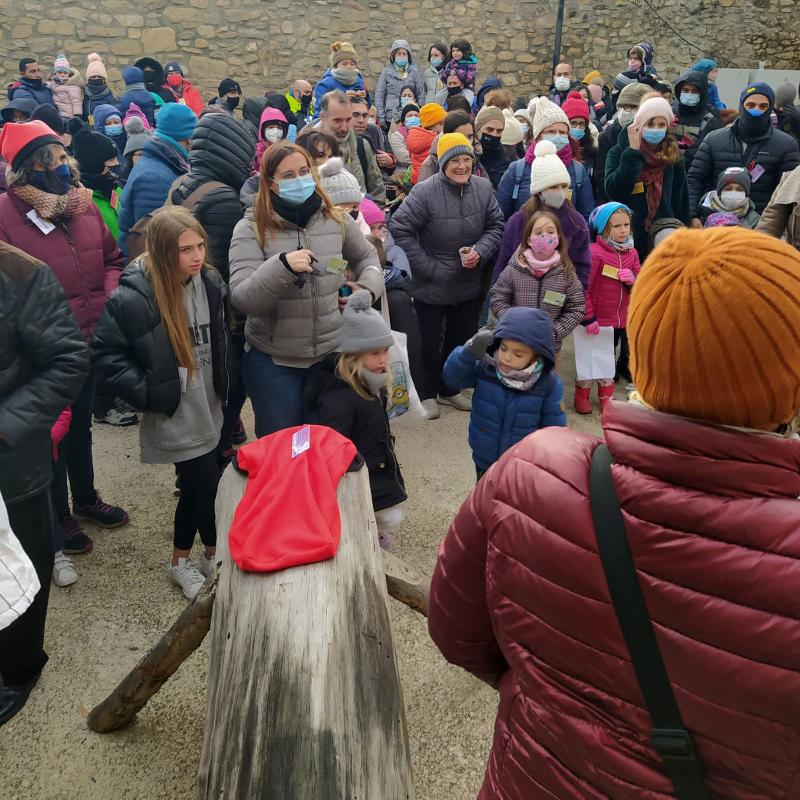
376	381
347	77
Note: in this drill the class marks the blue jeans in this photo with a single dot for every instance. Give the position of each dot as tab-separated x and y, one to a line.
278	394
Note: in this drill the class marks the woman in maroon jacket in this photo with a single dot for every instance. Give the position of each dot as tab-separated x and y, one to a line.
49	215
708	478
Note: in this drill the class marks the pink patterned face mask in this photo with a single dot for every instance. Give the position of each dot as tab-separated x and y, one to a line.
543	245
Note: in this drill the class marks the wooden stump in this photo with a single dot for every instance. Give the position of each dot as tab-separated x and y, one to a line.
304	697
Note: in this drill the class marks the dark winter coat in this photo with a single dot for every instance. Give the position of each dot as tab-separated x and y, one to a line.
252	109
579	181
775	151
576	232
495	164
436	219
132	352
365	423
519	598
623	184
143	99
44	362
694	123
148	184
81	252
607	139
37	92
154	78
222	150
502	416
92	101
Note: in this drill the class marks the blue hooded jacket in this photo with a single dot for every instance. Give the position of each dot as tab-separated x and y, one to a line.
101	114
327	83
136	92
502	416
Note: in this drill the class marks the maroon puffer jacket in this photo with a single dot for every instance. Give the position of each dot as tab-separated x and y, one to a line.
81	252
607	298
519	598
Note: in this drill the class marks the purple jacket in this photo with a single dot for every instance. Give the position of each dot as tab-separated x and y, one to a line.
575	229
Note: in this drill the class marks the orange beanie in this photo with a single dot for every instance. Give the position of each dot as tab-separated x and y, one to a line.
714	328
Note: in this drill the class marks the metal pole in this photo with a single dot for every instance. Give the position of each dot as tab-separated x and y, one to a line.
559	26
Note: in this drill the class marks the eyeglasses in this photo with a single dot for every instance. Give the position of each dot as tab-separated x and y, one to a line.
357	115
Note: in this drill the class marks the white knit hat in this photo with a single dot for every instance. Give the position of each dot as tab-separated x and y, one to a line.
548	169
546	113
652	108
340	185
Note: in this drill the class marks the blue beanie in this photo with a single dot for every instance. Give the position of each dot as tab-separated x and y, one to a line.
176	121
132	75
705	65
599	218
758	88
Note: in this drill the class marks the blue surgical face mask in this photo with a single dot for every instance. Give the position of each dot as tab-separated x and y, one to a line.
577	133
436	62
525	128
296	190
413	122
56	181
404	101
113	130
689	99
755	112
654	135
401	62
559	140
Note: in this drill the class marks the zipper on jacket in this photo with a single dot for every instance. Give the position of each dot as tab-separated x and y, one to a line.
461	217
84	291
313	284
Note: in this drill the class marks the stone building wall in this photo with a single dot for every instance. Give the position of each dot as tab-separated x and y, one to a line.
267	43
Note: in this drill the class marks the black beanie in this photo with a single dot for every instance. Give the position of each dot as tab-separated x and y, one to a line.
90	148
50	116
228	85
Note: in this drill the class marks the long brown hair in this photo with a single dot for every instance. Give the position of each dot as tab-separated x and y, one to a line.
563	245
667	149
160	264
265	220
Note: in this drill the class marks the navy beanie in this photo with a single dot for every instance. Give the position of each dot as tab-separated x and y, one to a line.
758	88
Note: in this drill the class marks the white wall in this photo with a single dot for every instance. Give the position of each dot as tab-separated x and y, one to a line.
731	82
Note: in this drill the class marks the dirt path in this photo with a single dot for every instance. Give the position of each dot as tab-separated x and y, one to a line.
123	602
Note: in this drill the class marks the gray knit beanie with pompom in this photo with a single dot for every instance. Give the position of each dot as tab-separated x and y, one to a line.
363	328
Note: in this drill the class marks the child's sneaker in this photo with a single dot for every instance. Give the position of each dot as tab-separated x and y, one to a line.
103	514
64	572
207	565
431	409
185	575
76	542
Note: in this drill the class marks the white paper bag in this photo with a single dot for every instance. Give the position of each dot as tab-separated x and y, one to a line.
594	355
403	395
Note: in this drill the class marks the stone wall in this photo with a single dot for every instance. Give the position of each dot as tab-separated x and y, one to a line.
267	44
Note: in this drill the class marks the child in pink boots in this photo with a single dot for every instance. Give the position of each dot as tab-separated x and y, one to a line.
615	265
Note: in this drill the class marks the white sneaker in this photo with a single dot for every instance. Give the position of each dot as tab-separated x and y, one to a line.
431	409
64	572
207	565
459	401
187	577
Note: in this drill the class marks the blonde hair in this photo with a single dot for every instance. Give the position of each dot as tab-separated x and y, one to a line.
350	368
160	264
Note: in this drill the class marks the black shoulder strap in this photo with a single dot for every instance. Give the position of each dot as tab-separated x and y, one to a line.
670	739
362	155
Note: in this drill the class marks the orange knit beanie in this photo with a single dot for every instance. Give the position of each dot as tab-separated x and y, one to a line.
714	328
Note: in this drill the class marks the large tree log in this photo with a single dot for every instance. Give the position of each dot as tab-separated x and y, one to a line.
304	697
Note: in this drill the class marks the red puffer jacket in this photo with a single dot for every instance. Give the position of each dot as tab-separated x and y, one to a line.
607	298
81	252
519	598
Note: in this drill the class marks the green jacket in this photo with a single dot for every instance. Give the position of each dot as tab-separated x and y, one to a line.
108	213
295	107
623	184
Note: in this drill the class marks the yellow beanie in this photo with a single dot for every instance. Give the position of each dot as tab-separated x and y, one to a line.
452	145
714	328
430	114
587	78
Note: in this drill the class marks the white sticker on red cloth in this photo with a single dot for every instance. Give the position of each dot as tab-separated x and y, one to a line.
45	226
301	441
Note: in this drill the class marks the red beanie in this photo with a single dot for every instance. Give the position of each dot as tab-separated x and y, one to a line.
19	139
289	514
575	107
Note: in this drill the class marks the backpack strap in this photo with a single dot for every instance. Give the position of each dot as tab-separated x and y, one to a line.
670	739
193	198
362	156
519	169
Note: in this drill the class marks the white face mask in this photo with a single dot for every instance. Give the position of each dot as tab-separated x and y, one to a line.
273	135
553	198
625	118
562	84
732	199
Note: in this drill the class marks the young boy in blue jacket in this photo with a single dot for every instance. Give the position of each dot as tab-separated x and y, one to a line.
516	390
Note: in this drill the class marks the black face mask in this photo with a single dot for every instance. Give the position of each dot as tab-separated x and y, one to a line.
34	82
232	102
755	126
354	213
105	184
490	143
452	91
97	83
150	79
305	100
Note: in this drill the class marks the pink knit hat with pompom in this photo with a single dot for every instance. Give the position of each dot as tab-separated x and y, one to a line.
95	67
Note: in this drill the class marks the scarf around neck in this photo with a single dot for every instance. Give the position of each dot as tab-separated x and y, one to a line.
713	201
376	381
567	154
653	180
54	206
298	215
520	380
539	268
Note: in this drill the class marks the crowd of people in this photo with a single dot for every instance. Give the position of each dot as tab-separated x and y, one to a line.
164	257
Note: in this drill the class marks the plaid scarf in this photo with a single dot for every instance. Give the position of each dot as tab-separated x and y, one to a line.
54	206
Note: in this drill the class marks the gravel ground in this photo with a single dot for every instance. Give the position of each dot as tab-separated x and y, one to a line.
123	602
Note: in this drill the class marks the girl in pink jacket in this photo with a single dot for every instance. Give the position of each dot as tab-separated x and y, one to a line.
615	265
66	86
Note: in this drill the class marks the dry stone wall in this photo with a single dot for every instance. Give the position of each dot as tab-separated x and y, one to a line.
266	44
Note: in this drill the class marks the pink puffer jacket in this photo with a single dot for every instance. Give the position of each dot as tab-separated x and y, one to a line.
68	96
607	298
519	598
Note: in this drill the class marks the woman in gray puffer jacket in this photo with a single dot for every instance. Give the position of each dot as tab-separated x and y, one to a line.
287	264
449	211
397	73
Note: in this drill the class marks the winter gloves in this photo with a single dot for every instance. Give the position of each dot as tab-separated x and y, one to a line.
479	343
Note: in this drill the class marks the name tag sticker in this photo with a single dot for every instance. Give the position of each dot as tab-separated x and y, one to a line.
183	375
611	272
638	188
568	194
756	172
554	298
301	441
43	225
114	200
337	265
